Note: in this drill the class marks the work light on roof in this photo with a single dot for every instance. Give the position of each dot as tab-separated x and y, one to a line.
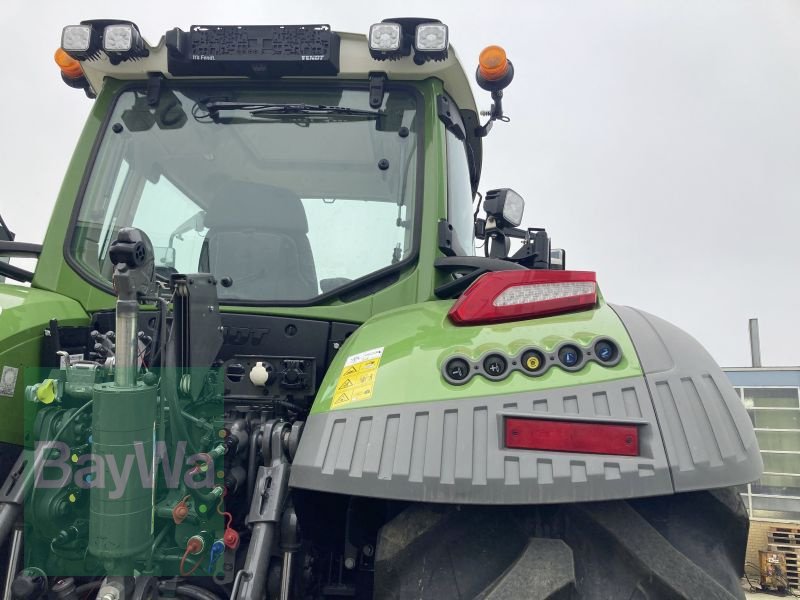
431	40
394	38
122	41
386	37
386	41
81	42
76	38
118	38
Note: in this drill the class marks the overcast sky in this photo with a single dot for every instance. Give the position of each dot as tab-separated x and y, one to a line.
658	142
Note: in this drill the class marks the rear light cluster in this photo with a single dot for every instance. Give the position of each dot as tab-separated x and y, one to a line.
524	294
532	361
571	436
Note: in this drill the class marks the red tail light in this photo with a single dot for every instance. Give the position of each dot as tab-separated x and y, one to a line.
516	295
572	436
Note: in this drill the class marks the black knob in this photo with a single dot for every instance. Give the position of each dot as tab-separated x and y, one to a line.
457	369
27	585
291	376
495	365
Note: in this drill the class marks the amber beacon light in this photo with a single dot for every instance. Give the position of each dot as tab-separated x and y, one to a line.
70	67
493	63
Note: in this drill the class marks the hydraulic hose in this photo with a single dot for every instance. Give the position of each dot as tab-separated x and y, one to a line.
197	593
163	307
88	587
191	591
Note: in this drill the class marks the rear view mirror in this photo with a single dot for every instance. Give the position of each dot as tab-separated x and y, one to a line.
558	259
5	232
5	236
10	249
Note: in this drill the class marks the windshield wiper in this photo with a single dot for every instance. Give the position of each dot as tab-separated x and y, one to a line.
267	110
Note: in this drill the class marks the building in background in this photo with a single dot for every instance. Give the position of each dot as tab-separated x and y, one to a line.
772	398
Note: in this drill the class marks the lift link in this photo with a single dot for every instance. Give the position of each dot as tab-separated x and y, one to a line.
266	509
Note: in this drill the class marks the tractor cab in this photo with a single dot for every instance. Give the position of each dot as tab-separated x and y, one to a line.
308	174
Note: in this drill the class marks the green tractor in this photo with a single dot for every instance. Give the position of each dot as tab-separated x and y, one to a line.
260	357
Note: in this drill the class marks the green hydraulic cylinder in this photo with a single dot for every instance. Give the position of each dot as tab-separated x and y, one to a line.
121	512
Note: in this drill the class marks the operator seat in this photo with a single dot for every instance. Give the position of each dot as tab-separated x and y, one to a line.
257	237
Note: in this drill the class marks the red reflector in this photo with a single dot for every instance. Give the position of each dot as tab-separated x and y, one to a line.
524	294
571	436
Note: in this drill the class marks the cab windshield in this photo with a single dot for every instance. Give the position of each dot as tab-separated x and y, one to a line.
288	194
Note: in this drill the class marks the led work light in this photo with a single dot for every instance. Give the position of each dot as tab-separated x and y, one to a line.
392	39
430	41
504	205
385	37
386	41
122	41
80	41
76	38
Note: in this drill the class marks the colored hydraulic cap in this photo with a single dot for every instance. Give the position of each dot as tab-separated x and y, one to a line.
605	351
495	365
569	356
180	512
532	361
231	538
457	369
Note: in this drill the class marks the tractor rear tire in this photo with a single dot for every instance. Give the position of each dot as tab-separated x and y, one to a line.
687	545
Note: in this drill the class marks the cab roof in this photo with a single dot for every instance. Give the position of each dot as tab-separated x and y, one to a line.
268	52
355	62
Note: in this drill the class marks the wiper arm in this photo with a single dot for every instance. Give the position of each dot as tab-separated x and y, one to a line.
266	109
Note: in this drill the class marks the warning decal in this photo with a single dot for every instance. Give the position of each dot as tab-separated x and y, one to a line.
8	380
358	378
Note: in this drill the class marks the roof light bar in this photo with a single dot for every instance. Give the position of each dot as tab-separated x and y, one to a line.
392	39
517	295
572	436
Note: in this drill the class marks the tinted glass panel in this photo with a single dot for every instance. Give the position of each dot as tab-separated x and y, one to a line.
290	193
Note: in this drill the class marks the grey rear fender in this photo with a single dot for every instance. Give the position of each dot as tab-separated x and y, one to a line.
695	434
707	434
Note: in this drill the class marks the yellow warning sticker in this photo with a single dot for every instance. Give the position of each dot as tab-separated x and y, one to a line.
357	379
